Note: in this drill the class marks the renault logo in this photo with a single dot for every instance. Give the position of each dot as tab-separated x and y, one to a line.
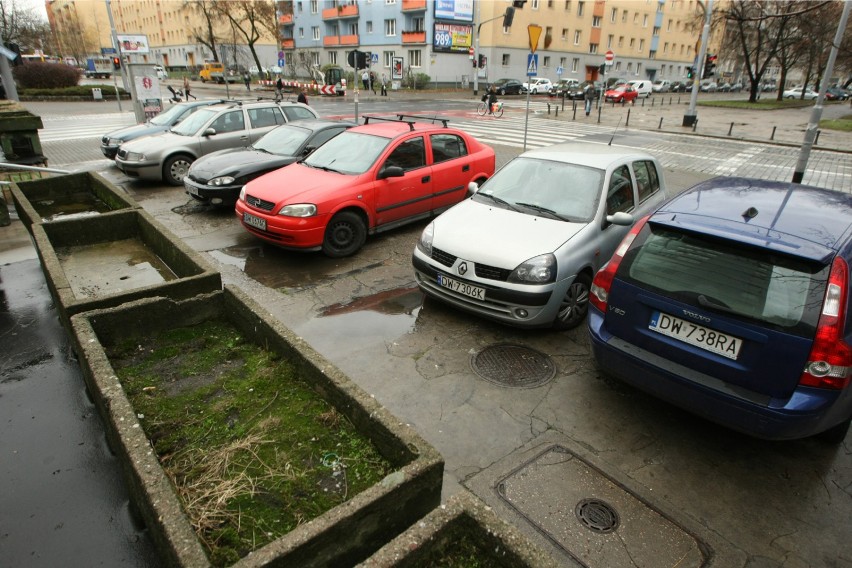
462	268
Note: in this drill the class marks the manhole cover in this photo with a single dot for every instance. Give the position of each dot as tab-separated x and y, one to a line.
597	515
513	366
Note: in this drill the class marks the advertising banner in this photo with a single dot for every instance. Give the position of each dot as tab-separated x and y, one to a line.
452	38
454	10
130	44
396	70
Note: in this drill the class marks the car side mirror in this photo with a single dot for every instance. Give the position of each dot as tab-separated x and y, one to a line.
621	218
308	150
209	132
391	171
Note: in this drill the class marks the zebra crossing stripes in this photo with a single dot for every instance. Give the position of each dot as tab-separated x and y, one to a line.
508	131
60	129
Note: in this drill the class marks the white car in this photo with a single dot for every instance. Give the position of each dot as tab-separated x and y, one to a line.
538	85
523	249
661	86
796	93
642	87
161	72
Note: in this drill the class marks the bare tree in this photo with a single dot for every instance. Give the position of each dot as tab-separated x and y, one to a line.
22	25
206	33
250	19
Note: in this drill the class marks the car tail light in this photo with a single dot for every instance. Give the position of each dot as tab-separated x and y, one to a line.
830	360
599	293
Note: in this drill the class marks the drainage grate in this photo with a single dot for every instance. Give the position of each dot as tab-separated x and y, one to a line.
509	365
597	515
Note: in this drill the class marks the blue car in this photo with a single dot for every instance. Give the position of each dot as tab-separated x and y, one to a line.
732	302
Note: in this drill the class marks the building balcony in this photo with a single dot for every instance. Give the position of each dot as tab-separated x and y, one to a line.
348	11
339	41
413	5
288	43
286	19
413	37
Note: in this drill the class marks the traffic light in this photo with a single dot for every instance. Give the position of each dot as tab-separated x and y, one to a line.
116	63
709	66
508	17
689	72
482	61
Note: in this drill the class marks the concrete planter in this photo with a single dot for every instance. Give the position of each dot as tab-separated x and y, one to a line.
439	535
106	260
67	197
344	535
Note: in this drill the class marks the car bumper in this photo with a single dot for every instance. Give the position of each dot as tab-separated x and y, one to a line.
529	309
109	151
808	412
297	233
217	194
141	170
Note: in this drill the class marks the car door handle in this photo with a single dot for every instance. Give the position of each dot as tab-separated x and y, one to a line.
466	168
243	137
426	179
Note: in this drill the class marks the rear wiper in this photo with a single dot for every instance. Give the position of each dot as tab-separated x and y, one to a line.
718	306
543	210
497	200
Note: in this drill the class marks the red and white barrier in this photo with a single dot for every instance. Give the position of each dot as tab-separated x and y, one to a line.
312	87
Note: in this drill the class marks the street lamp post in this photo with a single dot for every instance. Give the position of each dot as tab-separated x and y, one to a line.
691	114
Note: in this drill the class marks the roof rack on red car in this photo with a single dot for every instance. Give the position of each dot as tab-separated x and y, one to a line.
402	117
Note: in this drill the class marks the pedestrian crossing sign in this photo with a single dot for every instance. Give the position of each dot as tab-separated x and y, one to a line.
532	64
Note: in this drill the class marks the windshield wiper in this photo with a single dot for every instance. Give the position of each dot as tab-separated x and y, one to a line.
497	200
541	209
324	168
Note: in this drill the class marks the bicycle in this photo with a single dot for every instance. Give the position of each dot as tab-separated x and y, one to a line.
482	109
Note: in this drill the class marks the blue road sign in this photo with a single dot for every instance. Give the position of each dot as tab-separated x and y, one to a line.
559	70
375	58
532	64
281	62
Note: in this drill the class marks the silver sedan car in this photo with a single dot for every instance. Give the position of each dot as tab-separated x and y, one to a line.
524	247
234	124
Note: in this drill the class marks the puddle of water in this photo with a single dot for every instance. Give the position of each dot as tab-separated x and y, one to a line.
71	205
108	268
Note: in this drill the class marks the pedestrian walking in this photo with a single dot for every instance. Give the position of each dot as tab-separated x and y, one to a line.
279	89
303	98
247	79
589	96
365	78
384	85
373	82
186	89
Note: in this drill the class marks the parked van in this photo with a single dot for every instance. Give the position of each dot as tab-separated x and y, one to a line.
642	87
661	86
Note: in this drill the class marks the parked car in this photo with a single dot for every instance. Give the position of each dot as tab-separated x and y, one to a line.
708	86
370	178
161	72
661	86
564	87
219	176
160	123
800	93
677	87
235	124
730	87
621	94
836	94
538	85
642	87
508	87
522	250
732	301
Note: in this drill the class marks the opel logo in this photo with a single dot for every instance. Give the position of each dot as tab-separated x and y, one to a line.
462	268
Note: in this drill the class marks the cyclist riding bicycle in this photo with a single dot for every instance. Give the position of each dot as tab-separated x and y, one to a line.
492	99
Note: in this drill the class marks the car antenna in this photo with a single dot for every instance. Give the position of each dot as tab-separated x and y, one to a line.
613	132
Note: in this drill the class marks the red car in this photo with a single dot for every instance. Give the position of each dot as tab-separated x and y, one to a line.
371	178
621	94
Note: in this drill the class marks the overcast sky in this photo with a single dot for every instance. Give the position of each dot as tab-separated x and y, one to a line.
38	5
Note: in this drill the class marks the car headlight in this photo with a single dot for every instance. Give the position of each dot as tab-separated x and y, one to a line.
115	142
299	210
223	180
537	270
134	157
425	241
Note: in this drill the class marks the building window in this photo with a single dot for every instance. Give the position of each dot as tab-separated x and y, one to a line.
656	31
620	41
389	2
314	8
630	67
638	68
596	21
632	44
546	61
315	58
550	3
575	64
534	4
567	5
635	18
507	30
390	27
652	55
353	29
613	15
315	33
332	57
419	26
666	47
624	17
387	59
609	39
299	7
301	32
580	6
414	58
577	36
564	33
505	60
669	26
369	26
641	45
645	21
618	66
593	48
562	61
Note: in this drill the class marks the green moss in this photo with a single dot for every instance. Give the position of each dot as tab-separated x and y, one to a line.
762	104
252	450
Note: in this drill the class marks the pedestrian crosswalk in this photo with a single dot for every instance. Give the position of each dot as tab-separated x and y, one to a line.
509	130
63	128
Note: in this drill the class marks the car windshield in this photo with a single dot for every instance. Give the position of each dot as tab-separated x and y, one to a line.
774	289
284	140
169	116
191	124
348	152
569	191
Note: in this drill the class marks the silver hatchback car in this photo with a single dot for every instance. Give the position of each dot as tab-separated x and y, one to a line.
234	124
524	247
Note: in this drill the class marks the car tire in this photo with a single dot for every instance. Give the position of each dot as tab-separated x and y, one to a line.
502	91
175	168
344	235
575	304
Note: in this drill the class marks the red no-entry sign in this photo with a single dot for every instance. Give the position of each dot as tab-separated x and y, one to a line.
610	55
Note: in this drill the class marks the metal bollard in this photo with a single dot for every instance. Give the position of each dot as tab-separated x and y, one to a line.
556	111
600	108
575	113
643	103
816	139
731	129
773	133
661	124
695	125
652	102
548	108
627	121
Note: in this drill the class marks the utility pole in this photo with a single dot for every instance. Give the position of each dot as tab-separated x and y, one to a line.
691	114
118	54
816	113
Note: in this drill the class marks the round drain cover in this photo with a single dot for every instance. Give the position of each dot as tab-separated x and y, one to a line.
513	366
597	515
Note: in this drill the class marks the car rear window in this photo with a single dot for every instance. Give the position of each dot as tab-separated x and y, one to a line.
776	290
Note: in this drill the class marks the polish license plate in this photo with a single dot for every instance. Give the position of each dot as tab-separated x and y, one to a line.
461	287
191	188
254	221
697	335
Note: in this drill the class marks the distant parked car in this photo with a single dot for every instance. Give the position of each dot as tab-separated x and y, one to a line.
677	86
564	87
161	72
661	86
508	87
836	94
733	302
800	93
538	85
523	248
621	94
708	87
642	87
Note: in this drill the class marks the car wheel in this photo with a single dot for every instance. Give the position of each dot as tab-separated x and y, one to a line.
344	235
575	304
502	91
176	168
